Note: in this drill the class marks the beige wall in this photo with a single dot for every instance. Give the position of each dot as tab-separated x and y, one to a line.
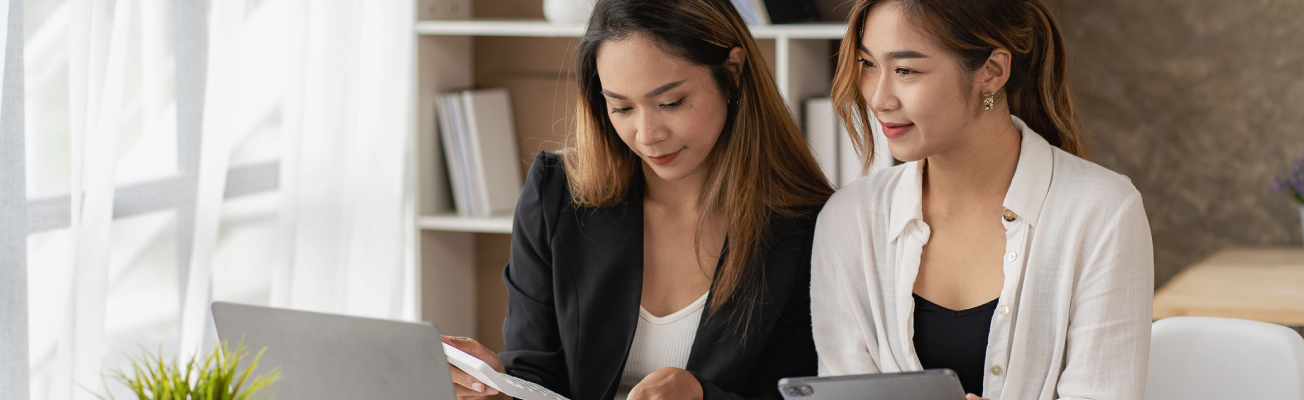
1198	102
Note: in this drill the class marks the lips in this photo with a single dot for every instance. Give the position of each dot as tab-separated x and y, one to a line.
664	159
894	130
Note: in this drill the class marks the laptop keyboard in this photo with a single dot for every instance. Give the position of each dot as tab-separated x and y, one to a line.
533	387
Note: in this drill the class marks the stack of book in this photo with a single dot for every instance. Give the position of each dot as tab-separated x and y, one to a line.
832	147
479	138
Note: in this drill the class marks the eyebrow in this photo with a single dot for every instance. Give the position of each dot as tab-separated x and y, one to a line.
896	55
655	92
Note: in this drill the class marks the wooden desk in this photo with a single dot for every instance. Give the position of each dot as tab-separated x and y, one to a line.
1262	284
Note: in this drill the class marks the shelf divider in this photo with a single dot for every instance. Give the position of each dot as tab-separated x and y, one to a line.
454	223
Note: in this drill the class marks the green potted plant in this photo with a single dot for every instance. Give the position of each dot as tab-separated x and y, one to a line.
217	377
1291	184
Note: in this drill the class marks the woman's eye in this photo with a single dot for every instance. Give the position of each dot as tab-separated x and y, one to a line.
620	110
865	63
905	71
672	105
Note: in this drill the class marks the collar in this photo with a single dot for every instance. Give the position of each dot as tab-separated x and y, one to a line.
1031	181
1025	197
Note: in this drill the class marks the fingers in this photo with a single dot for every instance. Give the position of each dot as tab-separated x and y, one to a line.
475	349
465	393
468	385
971	396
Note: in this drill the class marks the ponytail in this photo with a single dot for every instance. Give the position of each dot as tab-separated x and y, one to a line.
1043	98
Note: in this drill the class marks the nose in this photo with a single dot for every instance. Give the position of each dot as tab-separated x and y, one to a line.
883	97
650	129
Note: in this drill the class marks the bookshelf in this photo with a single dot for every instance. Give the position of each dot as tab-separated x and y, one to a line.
462	258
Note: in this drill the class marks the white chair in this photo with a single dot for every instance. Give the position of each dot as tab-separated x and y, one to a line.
1193	358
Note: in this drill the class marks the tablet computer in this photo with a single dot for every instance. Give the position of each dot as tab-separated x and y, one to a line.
932	384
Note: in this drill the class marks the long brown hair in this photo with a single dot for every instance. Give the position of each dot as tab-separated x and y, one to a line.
1038	91
760	166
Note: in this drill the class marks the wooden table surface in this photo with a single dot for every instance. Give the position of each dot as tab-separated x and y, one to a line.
1257	283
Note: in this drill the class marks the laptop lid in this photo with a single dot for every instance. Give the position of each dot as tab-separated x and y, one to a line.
328	356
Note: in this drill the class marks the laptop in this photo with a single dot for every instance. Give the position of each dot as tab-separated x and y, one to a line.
932	384
326	356
329	356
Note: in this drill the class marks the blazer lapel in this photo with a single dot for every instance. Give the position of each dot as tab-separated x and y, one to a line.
725	347
711	351
611	279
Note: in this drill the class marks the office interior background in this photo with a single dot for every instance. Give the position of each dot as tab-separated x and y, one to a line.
157	155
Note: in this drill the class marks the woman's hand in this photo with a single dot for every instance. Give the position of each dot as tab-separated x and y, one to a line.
667	384
468	388
972	396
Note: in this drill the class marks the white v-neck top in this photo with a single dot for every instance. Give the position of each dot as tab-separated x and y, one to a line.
660	342
1073	317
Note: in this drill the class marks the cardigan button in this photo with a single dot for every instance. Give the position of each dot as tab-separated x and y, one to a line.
996	370
1010	215
1005	310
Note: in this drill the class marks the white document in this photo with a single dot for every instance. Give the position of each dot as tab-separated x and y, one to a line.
511	385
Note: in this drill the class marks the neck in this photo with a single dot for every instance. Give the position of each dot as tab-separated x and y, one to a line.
684	194
978	171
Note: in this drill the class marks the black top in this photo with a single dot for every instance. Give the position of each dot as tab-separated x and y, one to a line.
574	283
945	338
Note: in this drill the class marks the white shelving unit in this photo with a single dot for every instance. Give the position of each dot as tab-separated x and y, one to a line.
802	67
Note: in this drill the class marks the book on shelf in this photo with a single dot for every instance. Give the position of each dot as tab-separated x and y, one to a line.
449	136
832	147
478	132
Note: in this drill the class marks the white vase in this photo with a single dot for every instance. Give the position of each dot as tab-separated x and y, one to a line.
568	12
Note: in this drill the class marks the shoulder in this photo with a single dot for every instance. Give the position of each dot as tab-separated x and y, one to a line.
544	197
867	197
548	165
1083	185
785	232
546	180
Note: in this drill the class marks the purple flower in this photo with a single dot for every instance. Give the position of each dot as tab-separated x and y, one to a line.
1291	182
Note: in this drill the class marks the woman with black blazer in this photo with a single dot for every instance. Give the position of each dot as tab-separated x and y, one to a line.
665	253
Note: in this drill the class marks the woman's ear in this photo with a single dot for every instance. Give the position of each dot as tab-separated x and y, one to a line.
735	63
993	74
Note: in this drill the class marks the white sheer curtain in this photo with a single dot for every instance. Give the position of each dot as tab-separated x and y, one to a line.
346	163
261	156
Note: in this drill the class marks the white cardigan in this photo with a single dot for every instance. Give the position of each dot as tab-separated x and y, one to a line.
1073	319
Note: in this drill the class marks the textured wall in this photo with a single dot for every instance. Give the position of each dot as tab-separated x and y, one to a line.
1199	102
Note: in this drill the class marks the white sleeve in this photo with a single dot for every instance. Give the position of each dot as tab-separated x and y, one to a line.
1108	343
838	299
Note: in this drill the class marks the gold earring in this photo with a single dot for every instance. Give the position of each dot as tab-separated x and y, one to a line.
989	99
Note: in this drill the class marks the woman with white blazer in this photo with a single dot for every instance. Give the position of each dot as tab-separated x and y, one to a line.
996	250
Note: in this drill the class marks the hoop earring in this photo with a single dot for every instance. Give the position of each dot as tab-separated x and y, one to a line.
989	99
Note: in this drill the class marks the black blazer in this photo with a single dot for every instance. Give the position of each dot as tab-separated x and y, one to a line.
574	283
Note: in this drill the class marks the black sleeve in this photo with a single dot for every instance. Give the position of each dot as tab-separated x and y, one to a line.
534	350
790	348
